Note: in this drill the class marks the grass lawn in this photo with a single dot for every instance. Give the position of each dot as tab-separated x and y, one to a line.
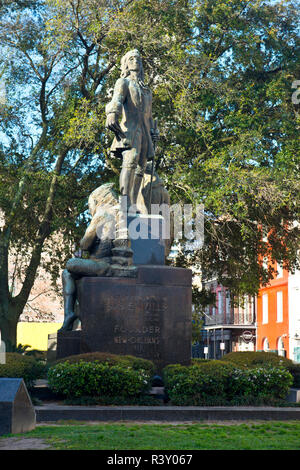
270	435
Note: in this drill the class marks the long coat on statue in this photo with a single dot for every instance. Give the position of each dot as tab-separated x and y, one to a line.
132	102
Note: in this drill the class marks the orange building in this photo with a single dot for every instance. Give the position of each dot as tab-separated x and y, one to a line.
273	315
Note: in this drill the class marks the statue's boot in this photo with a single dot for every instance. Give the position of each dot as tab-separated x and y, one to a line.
70	315
69	291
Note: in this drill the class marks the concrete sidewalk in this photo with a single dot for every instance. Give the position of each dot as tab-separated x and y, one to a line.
55	412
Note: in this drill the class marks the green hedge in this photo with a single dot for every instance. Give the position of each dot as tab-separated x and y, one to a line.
254	359
212	364
136	363
84	379
25	367
264	359
263	382
199	384
294	369
221	384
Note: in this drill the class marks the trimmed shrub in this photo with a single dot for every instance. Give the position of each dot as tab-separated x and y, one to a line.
92	379
261	382
264	359
221	384
294	369
208	364
253	359
136	363
198	360
25	367
196	385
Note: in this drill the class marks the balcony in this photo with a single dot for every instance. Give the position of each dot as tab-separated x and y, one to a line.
238	318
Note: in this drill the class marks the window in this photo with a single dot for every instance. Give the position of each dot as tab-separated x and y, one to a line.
220	302
246	307
265	308
279	306
228	304
266	346
280	347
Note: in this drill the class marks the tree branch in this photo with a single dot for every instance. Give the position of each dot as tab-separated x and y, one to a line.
43	232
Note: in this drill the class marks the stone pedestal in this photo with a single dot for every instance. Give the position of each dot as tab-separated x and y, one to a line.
147	234
148	317
63	344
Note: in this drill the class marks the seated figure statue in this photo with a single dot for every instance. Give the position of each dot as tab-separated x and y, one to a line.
97	242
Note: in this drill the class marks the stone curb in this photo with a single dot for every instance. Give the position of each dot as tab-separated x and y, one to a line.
52	413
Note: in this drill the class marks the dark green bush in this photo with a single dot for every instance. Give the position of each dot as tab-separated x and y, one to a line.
294	369
218	383
253	359
260	382
195	385
26	350
26	367
264	359
136	363
208	364
97	379
198	360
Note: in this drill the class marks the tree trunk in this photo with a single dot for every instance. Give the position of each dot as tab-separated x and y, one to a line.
8	327
12	307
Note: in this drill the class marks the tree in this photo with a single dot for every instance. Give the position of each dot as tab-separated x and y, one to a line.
237	138
57	59
221	73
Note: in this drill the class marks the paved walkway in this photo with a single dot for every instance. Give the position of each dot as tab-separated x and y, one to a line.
23	443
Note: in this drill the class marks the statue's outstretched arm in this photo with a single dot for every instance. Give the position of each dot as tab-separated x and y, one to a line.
153	127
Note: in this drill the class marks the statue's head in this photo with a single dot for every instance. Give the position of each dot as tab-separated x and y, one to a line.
125	64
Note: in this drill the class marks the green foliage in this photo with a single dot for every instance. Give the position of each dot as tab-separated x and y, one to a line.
20	348
97	379
251	359
208	364
26	351
294	369
197	325
195	385
264	382
222	383
228	436
24	367
136	363
254	359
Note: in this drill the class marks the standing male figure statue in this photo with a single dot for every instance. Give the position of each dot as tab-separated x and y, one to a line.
135	134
